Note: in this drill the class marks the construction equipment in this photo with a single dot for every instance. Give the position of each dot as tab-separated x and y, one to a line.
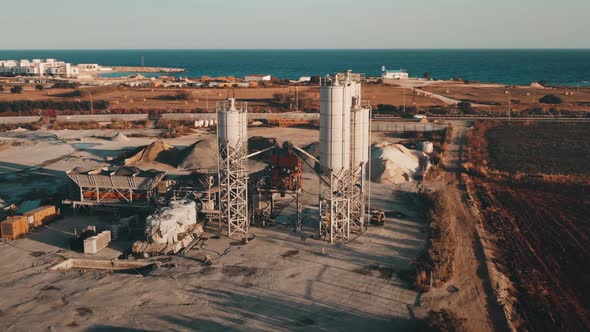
378	217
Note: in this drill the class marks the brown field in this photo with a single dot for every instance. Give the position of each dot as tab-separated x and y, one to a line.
541	234
538	226
540	148
521	96
262	98
258	98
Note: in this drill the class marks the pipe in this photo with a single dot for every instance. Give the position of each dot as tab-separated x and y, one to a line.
259	152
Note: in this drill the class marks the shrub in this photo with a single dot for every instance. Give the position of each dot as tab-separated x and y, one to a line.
1	88
184	96
29	105
465	107
16	89
39	87
550	99
386	109
444	320
65	85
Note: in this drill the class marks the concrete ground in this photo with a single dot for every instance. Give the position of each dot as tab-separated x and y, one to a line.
277	282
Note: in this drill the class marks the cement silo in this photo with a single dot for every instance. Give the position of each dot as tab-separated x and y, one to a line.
232	142
360	144
359	137
334	127
337	97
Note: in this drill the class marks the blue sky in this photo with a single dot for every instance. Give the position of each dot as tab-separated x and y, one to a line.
241	24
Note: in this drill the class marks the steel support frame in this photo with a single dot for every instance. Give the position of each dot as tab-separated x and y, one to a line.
357	199
334	207
295	194
233	189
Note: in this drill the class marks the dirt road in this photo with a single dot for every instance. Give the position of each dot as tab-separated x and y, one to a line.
475	299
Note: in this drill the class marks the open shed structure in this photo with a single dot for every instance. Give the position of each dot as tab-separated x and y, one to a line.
118	187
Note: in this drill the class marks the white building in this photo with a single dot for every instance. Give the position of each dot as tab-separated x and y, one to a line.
256	78
38	67
395	74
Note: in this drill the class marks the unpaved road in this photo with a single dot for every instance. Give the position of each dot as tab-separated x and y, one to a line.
475	299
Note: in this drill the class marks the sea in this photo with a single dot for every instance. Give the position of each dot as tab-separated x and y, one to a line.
563	67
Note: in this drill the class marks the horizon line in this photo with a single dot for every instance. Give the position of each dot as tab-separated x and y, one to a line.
299	49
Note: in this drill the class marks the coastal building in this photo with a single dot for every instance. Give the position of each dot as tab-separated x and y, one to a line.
395	74
256	78
38	67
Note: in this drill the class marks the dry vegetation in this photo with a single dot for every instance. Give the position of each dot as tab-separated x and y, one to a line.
434	266
29	126
443	321
175	128
538	222
521	97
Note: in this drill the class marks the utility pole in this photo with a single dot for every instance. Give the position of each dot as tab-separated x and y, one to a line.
296	101
91	104
509	104
404	90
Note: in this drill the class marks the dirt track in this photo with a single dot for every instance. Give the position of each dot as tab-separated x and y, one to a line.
475	301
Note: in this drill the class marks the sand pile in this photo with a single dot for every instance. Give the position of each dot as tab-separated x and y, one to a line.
156	152
19	130
200	156
257	143
394	163
119	137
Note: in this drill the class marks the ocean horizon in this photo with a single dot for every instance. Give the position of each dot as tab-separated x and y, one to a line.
564	67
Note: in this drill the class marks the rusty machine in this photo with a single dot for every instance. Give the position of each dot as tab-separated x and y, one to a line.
283	177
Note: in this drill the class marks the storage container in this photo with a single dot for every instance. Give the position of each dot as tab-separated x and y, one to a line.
14	227
42	215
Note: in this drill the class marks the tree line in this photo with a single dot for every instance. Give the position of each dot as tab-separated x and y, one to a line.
31	105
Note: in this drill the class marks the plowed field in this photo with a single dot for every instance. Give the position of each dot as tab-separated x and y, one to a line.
542	237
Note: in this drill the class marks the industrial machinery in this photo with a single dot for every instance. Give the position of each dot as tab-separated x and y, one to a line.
232	142
378	217
114	187
284	177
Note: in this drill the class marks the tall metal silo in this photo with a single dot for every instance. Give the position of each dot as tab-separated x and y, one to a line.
336	101
232	142
360	129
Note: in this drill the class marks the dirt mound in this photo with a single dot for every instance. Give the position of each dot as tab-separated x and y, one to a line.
257	143
19	130
156	152
200	156
394	163
119	138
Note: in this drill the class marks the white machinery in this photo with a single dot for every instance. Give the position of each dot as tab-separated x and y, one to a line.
164	226
232	142
344	153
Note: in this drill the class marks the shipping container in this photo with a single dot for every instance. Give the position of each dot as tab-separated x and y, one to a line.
42	215
14	227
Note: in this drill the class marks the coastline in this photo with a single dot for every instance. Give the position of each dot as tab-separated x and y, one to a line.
123	69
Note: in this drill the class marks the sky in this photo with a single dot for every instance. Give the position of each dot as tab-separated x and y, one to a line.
294	24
